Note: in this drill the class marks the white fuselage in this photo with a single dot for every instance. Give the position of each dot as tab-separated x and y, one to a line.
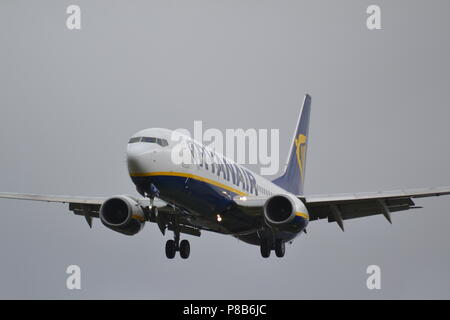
151	159
189	163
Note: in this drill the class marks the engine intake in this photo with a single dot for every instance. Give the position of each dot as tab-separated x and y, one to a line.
286	213
279	209
122	214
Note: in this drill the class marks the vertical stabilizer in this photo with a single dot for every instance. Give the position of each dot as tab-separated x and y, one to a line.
293	177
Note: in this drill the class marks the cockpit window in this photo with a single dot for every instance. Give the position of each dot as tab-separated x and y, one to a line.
133	140
161	142
148	139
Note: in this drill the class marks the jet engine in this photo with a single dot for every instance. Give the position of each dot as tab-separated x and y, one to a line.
285	212
122	214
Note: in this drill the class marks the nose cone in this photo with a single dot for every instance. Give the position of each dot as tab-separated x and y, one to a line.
139	158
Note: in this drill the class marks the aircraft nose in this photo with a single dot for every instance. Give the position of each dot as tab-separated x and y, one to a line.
139	158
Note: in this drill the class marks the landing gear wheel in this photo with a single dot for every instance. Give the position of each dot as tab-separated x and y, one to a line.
171	249
280	248
185	249
265	249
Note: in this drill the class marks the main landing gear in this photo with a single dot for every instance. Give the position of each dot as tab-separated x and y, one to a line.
266	247
280	248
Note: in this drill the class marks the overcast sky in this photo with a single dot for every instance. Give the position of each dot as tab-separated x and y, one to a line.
70	100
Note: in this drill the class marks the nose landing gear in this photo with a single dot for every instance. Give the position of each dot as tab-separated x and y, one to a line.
185	249
171	249
172	246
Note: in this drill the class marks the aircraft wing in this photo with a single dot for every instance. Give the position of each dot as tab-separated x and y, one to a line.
340	207
88	207
53	198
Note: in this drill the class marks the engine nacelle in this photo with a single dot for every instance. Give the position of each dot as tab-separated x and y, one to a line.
286	213
122	214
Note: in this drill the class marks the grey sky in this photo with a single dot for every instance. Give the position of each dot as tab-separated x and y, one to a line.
70	100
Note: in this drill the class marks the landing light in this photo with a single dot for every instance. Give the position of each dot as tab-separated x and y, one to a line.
244	198
219	218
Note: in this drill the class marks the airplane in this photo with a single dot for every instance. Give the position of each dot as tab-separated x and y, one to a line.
222	196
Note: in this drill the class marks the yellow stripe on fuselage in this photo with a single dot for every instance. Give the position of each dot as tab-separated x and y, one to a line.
302	214
192	176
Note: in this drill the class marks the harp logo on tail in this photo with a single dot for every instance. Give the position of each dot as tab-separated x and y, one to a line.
293	177
300	146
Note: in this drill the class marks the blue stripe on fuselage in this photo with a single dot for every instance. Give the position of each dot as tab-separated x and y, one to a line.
199	197
206	200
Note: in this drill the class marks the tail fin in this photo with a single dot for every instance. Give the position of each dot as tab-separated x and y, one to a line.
294	173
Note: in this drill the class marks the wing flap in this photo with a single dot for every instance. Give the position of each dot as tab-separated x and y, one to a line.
337	208
91	210
412	193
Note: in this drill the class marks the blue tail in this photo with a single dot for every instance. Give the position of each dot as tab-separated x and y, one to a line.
293	176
